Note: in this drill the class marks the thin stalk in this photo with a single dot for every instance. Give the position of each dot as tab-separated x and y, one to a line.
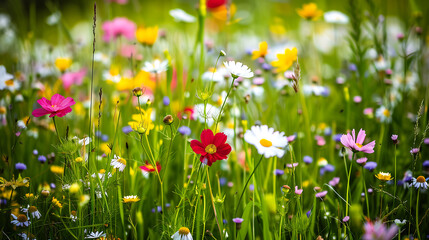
417	213
56	130
224	102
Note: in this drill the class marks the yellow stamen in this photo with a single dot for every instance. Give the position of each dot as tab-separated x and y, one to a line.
22	218
421	179
359	145
266	143
123	161
184	231
210	149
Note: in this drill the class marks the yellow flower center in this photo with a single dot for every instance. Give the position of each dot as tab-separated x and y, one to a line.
102	171
32	209
386	113
210	149
114	71
122	161
9	82
184	231
421	179
266	143
359	145
22	218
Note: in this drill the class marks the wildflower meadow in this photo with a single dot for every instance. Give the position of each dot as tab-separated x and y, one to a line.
214	119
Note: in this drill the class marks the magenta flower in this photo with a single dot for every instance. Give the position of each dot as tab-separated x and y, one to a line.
298	191
73	78
57	106
379	231
355	145
117	27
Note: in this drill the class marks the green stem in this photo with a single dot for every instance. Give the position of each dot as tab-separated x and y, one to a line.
348	189
56	130
417	213
224	102
247	182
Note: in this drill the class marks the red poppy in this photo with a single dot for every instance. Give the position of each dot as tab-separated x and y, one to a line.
149	168
212	147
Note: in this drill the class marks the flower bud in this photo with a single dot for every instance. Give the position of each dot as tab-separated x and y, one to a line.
168	120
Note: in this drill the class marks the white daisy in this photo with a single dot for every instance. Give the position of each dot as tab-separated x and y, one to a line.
119	163
73	216
212	113
237	69
181	16
33	211
156	67
266	141
336	17
420	182
101	57
20	221
383	114
7	81
95	235
182	234
112	75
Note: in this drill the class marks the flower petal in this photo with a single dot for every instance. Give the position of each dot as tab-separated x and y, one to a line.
39	112
207	137
198	147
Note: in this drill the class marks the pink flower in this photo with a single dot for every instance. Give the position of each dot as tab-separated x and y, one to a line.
379	231
119	26
71	78
298	191
121	2
57	106
355	145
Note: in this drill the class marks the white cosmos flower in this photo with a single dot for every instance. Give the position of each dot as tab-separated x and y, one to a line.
20	221
237	69
336	17
7	81
266	141
156	67
420	182
182	234
119	163
95	235
181	16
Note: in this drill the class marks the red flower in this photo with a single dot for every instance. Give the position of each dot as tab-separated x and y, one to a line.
149	168
212	147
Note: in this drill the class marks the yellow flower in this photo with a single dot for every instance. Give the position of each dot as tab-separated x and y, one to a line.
285	61
384	176
63	63
131	199
310	12
56	202
19	182
147	36
142	121
78	159
263	50
74	188
57	169
105	148
130	83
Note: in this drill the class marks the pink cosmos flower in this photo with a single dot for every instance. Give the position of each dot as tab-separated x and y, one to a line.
355	145
379	231
298	191
71	78
57	106
119	26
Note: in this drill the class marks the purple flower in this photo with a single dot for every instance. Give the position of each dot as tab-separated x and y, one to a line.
414	150
53	186
308	159
357	99
251	187
237	220
426	141
266	66
279	172
370	166
166	101
337	137
346	219
327	168
352	67
292	165
395	139
184	130
298	191
35	152
20	166
127	129
42	159
334	181
426	164
321	195
308	213
223	181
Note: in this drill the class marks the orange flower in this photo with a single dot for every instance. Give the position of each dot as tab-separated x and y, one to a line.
310	12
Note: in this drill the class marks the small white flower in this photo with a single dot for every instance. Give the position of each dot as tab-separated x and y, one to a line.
7	81
336	17
212	113
53	18
266	141
181	16
156	67
383	114
400	223
237	69
119	163
182	234
112	76
95	235
20	221
420	182
33	211
101	57
85	141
